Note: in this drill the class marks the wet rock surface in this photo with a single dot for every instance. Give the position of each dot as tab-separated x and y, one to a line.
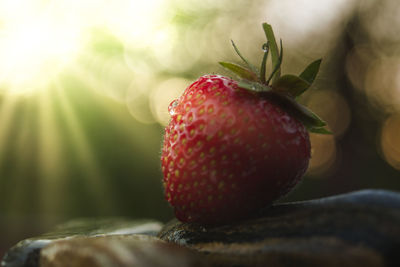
118	251
27	252
356	229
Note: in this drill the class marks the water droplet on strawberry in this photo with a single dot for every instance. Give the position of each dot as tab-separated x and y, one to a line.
172	106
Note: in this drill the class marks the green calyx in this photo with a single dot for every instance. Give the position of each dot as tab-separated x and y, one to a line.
286	87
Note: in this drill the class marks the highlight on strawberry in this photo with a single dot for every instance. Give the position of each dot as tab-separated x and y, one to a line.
233	147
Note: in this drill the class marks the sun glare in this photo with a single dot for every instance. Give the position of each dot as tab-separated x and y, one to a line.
33	51
39	40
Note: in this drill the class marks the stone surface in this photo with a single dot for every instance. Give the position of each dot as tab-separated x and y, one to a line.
355	229
117	251
26	252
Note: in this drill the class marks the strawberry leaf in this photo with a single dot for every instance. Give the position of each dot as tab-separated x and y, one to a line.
276	71
300	112
269	33
291	84
310	72
319	130
251	66
240	71
254	86
265	48
309	118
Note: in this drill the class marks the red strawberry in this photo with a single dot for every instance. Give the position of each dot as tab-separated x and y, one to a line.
232	147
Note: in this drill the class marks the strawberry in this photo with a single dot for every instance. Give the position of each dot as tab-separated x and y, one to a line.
233	147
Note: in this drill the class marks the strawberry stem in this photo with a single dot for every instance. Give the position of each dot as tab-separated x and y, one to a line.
284	89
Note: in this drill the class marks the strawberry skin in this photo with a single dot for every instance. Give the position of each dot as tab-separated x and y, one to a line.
229	152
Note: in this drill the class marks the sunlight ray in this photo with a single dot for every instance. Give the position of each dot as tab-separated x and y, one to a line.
51	170
139	137
24	154
84	153
7	109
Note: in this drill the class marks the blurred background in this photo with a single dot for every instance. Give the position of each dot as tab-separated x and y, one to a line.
85	85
